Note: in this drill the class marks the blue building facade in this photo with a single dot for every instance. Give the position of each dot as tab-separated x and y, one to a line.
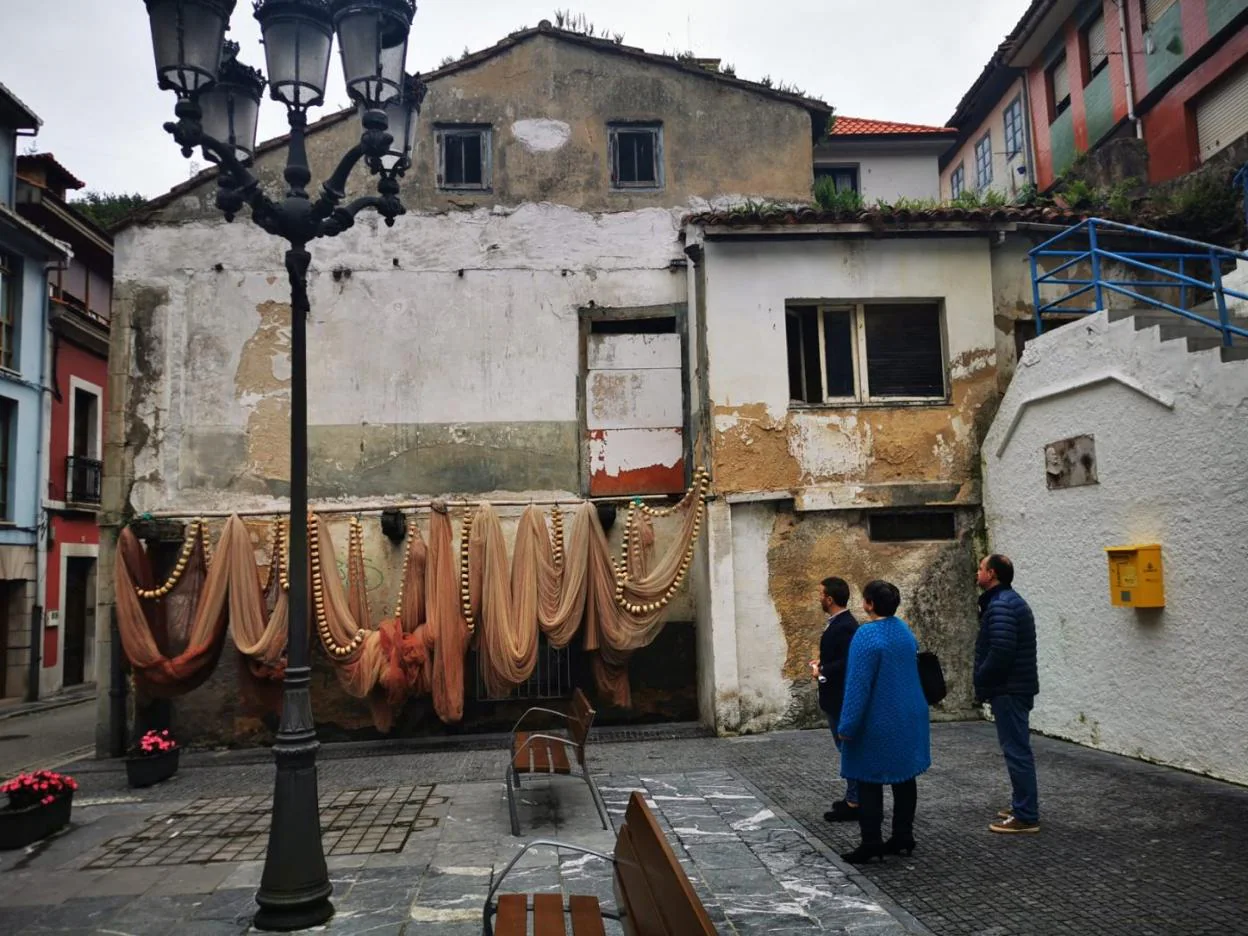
26	256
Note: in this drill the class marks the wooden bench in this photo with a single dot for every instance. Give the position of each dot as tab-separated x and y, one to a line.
545	753
652	894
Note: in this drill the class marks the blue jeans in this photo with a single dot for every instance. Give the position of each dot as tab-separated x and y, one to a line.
851	786
1011	713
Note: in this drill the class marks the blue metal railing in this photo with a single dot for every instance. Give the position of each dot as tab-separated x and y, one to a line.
1083	243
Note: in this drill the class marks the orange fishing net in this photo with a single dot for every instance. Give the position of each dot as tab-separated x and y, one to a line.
548	586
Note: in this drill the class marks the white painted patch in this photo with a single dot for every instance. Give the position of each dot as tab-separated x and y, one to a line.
633	399
633	352
618	450
1167	684
541	135
754	822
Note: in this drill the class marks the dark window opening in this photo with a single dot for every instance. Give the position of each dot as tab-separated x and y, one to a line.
9	271
463	157
662	325
805	373
844	178
904	351
636	157
900	527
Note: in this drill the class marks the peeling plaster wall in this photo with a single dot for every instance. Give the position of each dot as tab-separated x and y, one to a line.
1165	685
799	481
418	341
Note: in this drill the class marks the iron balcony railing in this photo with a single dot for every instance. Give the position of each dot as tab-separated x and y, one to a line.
1174	268
83	480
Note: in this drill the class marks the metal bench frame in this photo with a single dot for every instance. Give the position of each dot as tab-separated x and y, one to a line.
490	909
512	778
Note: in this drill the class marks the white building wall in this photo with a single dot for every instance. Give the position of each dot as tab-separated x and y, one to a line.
888	176
1171	430
747	286
460	318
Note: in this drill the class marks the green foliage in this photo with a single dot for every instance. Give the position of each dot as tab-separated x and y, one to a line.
765	81
994	199
728	69
1080	196
580	23
968	199
107	208
829	199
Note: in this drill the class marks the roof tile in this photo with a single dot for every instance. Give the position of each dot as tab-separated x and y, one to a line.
865	126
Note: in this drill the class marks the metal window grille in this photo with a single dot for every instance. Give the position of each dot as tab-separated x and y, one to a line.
84	476
551	677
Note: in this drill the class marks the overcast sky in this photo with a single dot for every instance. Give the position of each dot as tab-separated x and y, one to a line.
85	66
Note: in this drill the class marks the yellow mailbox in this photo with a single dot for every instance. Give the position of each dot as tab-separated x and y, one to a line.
1135	577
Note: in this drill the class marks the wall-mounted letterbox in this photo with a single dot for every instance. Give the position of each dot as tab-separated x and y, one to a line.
1135	576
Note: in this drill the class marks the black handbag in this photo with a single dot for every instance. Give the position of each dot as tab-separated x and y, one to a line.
931	677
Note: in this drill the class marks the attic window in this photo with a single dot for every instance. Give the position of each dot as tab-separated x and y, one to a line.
636	155
463	157
1059	87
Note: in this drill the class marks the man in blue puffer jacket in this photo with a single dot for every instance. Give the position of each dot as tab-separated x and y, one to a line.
1006	676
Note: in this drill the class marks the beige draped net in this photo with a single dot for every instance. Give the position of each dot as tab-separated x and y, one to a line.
548	587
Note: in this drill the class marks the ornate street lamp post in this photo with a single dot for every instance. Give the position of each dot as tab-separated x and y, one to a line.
217	109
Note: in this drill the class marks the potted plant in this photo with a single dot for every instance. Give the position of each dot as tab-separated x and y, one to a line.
39	804
154	759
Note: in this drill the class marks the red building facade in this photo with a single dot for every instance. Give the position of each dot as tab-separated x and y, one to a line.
80	301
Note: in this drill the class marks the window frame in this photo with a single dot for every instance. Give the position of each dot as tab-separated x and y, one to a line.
1085	48
485	135
983	167
1015	139
957	180
1056	107
614	129
1150	21
8	427
862	395
10	312
852	170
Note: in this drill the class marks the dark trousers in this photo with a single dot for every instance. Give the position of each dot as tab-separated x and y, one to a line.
1012	713
871	798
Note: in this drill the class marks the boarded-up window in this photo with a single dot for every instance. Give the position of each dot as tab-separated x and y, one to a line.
901	526
634	408
865	352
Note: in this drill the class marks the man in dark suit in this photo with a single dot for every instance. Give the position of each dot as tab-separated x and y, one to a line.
830	671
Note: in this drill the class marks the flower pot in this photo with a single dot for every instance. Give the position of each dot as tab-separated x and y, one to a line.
20	827
150	769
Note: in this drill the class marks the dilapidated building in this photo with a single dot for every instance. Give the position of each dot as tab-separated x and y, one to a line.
583	300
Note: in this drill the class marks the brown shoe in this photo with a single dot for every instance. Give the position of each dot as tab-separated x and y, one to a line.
1013	826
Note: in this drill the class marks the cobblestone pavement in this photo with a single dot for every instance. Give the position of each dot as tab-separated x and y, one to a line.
1126	847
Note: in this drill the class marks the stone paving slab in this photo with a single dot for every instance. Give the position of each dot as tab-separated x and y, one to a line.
753	869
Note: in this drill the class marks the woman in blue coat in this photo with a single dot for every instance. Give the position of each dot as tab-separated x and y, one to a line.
884	723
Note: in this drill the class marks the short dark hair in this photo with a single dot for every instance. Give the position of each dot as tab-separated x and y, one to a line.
884	596
1003	568
837	589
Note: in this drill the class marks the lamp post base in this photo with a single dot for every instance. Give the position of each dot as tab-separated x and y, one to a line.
295	889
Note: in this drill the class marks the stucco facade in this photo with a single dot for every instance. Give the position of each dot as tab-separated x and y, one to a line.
800	484
1012	167
1168	426
452	354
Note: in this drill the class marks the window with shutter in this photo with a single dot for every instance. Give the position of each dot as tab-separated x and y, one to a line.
1059	88
1155	10
1094	52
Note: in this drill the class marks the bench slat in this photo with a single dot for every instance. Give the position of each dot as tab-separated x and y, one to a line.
669	887
548	915
513	915
632	892
586	916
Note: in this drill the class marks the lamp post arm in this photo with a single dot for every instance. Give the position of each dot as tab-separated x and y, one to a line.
334	189
342	218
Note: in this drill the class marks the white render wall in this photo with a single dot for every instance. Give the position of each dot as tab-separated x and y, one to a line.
1171	431
888	176
442	319
747	286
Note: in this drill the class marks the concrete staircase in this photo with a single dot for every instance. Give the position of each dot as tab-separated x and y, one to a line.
1196	337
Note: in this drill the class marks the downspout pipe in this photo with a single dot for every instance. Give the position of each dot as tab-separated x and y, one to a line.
1125	45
